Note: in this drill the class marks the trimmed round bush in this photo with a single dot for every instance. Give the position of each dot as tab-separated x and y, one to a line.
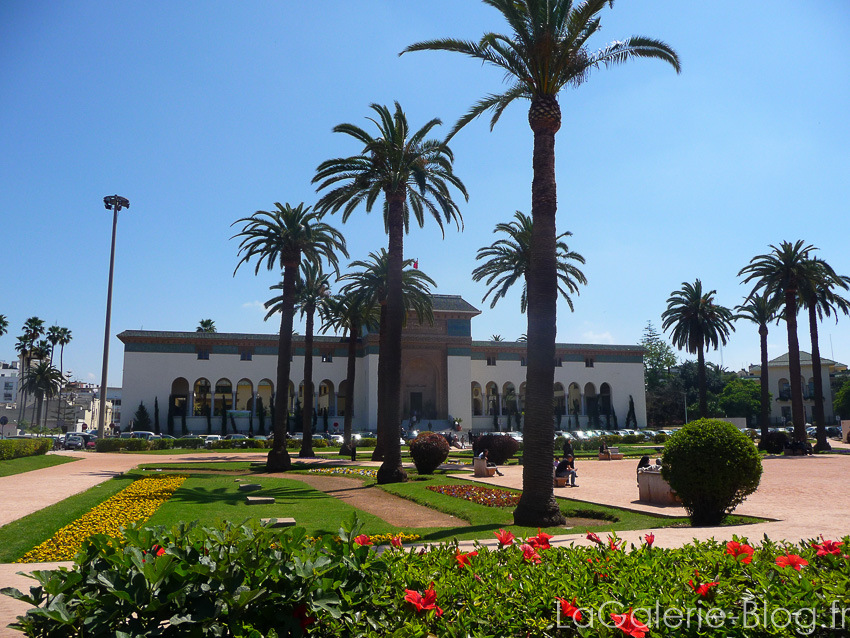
428	452
713	467
500	446
774	442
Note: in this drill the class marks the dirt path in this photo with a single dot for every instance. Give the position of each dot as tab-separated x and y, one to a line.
393	509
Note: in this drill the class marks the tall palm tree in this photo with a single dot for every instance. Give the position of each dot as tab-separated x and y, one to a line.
818	295
42	381
696	323
53	333
413	175
761	310
349	313
311	290
371	286
545	51
508	261
282	238
206	325
28	349
780	274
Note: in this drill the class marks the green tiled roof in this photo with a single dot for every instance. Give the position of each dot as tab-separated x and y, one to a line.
453	303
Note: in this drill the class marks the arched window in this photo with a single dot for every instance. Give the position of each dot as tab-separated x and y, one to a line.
784	390
810	394
326	397
179	395
202	397
477	399
605	399
244	395
492	392
591	403
574	399
560	399
509	400
265	394
223	396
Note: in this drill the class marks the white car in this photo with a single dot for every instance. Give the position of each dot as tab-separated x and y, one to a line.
210	438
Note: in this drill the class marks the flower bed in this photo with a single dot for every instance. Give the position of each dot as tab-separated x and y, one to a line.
248	582
487	496
345	471
134	504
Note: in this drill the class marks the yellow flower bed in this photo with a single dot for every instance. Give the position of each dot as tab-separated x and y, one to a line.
134	504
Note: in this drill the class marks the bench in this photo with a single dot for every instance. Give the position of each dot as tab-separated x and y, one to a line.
613	454
480	469
560	481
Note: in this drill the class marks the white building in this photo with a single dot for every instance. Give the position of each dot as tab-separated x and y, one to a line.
8	382
445	375
779	375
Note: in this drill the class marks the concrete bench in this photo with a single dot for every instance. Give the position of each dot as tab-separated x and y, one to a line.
613	454
278	522
250	487
259	500
560	481
480	469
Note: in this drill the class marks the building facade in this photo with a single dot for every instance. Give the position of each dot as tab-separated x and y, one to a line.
227	380
8	383
779	375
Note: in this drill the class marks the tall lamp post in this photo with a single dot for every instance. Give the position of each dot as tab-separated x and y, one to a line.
113	203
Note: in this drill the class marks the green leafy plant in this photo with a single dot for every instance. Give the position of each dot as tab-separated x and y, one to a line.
713	467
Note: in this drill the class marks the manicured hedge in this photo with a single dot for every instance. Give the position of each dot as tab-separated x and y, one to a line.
16	448
257	582
117	445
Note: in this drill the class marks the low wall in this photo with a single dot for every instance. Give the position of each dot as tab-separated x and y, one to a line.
654	489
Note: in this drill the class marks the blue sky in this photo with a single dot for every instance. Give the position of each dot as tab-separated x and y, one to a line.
203	112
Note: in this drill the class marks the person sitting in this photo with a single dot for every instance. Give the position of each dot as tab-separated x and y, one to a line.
604	452
485	455
644	462
567	469
568	447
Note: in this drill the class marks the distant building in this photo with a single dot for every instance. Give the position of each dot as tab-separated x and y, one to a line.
445	375
8	383
779	375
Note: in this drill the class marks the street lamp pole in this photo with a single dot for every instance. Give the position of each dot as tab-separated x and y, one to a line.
114	203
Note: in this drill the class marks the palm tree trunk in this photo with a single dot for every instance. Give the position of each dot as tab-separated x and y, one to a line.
765	386
822	444
537	505
349	390
307	412
40	402
378	452
797	413
278	458
389	378
701	382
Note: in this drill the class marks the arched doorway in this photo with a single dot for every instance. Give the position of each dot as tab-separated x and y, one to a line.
202	399
244	395
223	397
477	399
326	398
179	396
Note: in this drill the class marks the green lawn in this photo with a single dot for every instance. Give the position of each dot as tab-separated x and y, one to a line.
18	537
30	463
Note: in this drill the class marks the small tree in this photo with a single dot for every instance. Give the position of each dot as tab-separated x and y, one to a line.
169	417
631	418
614	416
156	415
208	413
223	421
261	414
325	419
184	431
428	451
298	416
142	418
713	467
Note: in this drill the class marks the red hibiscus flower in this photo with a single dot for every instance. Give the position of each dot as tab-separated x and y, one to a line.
735	549
828	547
593	537
541	541
157	550
650	539
530	554
629	625
301	616
463	559
569	610
362	540
505	538
395	541
613	544
703	589
424	601
791	560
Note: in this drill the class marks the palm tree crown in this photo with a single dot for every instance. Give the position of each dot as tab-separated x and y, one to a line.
696	323
546	51
206	325
4	325
508	260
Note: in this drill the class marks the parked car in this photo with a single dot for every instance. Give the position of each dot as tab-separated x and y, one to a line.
209	439
142	434
833	431
336	439
74	442
516	436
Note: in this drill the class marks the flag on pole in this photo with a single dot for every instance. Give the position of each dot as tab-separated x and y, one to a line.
416	264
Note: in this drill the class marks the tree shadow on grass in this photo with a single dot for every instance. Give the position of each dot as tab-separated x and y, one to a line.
451	532
282	495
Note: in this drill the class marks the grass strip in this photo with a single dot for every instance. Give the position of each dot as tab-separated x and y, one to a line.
30	463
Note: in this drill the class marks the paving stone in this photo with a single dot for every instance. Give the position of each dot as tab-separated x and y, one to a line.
250	487
260	500
278	522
